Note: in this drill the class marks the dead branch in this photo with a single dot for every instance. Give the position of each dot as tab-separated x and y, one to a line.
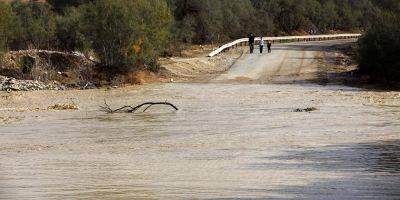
130	109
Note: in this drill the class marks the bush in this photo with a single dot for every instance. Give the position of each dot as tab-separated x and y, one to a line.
210	21
68	31
127	34
379	49
7	28
240	18
62	6
36	25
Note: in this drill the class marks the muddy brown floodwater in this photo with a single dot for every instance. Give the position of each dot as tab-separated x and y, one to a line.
227	141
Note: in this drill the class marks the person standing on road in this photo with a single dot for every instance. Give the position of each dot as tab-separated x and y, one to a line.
251	42
261	44
269	44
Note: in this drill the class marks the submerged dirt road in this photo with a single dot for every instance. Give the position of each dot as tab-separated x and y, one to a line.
229	140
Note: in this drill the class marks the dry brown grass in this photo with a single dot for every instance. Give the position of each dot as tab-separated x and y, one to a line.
140	77
70	106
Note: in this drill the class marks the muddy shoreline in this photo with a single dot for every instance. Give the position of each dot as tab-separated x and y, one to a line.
32	70
194	66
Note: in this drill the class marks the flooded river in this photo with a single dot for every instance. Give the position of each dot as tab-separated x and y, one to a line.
241	141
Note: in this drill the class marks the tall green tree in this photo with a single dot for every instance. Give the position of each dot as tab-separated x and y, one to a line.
7	27
37	25
328	16
389	5
63	5
127	34
68	33
240	18
379	49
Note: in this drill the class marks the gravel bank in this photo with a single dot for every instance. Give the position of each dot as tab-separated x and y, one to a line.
12	84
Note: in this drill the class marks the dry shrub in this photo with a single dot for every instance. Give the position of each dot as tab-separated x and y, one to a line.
140	77
66	77
299	32
63	107
134	78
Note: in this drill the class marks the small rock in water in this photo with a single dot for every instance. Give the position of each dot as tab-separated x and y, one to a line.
310	109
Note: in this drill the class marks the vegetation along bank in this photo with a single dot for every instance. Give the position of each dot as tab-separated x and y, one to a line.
118	38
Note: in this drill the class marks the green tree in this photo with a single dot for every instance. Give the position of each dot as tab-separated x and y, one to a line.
389	5
7	28
346	21
36	23
240	18
217	21
209	20
328	16
127	34
62	5
379	49
69	34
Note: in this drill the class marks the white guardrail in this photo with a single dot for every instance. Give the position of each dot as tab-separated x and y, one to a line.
241	42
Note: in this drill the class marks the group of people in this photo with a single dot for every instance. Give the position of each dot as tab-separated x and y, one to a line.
252	39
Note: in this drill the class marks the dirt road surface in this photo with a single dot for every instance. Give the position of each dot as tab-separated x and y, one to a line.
288	63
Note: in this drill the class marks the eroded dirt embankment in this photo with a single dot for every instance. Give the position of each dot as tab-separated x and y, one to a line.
197	66
28	70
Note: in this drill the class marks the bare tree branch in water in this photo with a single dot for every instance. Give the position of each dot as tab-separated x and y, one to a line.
130	109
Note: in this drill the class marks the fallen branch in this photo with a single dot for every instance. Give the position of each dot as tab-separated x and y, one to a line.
130	109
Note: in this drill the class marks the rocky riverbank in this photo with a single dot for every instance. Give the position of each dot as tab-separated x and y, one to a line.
33	69
12	84
30	70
